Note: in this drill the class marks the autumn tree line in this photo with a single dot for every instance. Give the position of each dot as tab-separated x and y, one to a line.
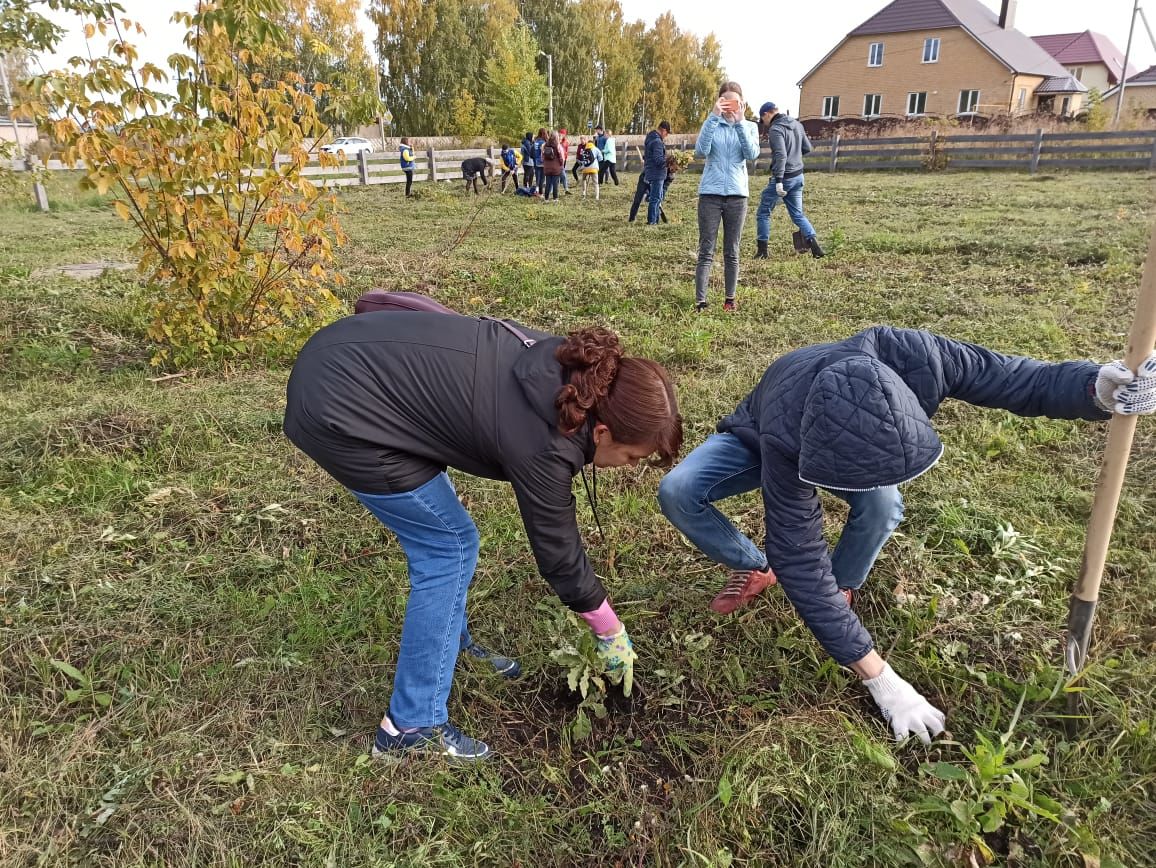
473	67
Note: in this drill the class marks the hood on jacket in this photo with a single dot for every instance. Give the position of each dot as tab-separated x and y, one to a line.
541	376
782	120
863	428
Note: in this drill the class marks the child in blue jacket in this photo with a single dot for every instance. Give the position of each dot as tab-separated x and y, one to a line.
854	418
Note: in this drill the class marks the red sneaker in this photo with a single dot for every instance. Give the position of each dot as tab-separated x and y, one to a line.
742	587
849	593
729	306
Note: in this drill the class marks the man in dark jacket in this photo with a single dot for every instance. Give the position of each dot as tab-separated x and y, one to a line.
385	401
853	418
474	168
643	188
654	169
789	144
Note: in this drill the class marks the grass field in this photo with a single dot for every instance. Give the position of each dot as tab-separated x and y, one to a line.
197	625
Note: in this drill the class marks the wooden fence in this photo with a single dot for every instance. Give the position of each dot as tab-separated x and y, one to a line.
1022	152
1032	152
935	152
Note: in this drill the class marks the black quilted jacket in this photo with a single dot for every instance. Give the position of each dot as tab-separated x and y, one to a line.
855	415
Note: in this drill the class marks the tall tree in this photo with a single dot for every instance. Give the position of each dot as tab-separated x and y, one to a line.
618	57
702	73
568	35
516	94
18	69
325	45
433	52
662	67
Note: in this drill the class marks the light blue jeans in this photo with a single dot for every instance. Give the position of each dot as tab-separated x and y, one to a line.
723	467
440	542
794	203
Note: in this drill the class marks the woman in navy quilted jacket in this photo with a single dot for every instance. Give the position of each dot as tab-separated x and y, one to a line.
854	418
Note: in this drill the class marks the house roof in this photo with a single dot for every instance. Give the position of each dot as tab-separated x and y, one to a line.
1071	49
903	15
1146	77
1061	84
1011	47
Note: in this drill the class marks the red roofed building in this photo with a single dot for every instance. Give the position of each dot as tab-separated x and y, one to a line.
1090	57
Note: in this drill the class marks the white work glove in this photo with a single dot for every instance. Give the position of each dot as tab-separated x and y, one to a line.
780	190
903	707
1118	390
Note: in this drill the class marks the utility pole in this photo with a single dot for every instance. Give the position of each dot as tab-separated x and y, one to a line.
1127	55
380	104
8	105
550	82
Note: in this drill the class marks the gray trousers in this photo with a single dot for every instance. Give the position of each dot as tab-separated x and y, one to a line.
731	212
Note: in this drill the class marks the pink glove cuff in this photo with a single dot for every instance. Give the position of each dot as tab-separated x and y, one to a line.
602	620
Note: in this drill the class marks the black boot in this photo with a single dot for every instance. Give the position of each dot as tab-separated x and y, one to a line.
762	251
816	250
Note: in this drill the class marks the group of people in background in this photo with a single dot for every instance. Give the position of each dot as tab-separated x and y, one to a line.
543	160
726	142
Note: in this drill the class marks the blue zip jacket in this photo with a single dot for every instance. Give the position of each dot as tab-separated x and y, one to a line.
527	152
654	157
855	416
508	159
538	145
405	152
726	147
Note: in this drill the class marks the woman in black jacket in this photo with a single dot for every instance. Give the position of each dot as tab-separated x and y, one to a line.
386	401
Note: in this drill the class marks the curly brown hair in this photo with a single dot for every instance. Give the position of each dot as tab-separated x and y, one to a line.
632	397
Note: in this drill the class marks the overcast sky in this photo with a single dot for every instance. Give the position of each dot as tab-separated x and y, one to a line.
766	51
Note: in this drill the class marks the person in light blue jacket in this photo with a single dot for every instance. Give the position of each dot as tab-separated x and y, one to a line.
726	141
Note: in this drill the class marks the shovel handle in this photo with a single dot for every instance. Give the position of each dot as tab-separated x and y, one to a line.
1121	430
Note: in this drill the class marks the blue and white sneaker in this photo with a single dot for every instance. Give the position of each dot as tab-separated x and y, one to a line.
446	740
507	667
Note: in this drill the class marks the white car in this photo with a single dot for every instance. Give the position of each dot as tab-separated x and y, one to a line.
348	145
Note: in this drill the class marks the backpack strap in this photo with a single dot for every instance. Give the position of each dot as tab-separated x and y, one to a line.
527	341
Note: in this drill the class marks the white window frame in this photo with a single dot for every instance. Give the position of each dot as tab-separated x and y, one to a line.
931	49
973	104
872	60
830	102
877	98
1065	106
913	98
1022	102
1077	72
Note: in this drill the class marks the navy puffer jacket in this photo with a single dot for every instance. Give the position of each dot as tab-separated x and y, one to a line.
854	416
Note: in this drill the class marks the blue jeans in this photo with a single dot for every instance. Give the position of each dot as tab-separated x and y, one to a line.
541	178
794	203
656	193
723	467
440	543
551	186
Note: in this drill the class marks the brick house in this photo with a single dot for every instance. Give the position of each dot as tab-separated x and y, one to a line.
1139	94
937	58
1091	58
